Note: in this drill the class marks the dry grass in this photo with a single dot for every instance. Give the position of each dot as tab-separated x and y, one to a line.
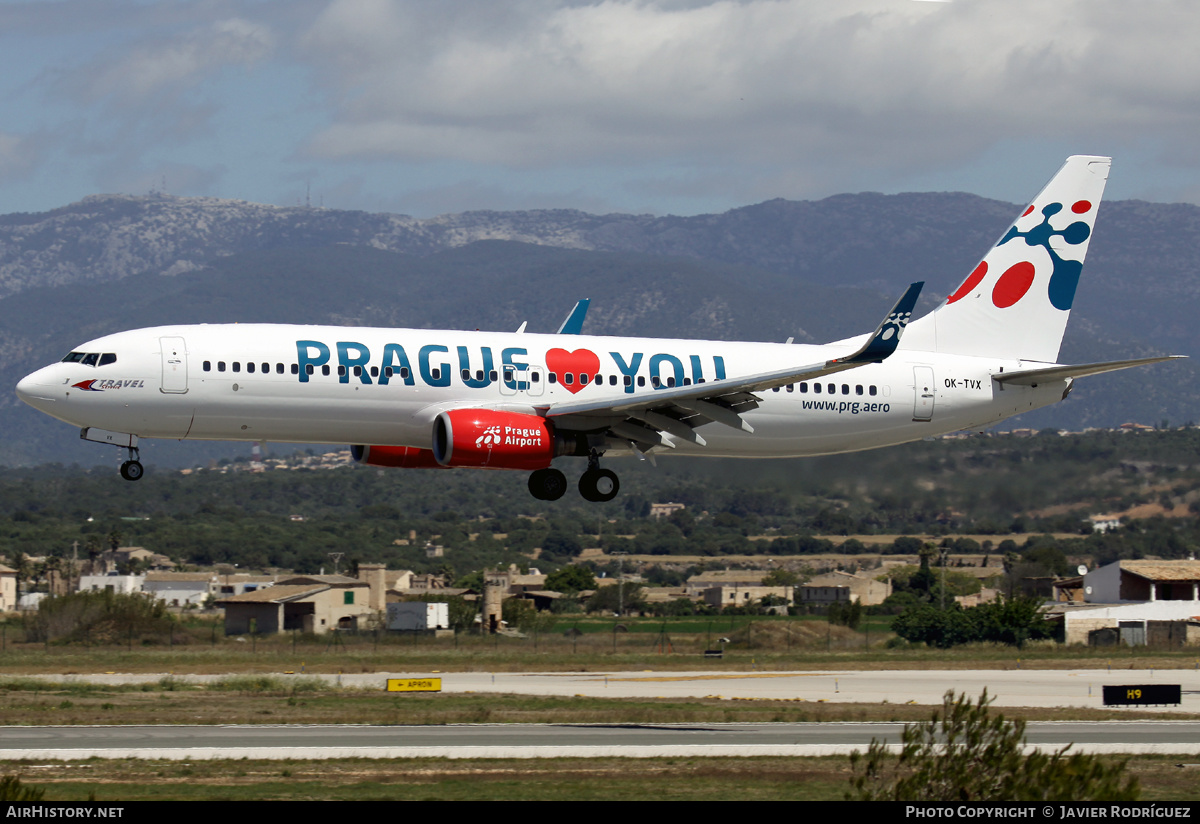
563	779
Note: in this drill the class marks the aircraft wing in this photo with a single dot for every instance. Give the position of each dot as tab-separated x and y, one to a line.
1032	377
645	418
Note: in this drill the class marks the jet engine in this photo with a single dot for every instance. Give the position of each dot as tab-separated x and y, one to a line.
495	439
402	457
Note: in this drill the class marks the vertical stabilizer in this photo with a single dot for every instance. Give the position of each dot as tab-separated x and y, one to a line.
1016	302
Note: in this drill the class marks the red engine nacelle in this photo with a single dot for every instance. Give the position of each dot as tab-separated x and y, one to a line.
403	457
493	439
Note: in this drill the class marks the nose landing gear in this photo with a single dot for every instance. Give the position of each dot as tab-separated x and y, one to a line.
132	469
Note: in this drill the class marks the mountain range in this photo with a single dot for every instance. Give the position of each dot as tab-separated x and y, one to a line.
812	270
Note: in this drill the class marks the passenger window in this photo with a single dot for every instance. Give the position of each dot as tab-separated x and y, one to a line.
220	366
325	369
534	377
358	371
583	379
774	388
237	366
628	380
295	369
552	377
374	371
387	371
687	381
266	368
491	375
435	374
845	389
279	368
871	390
670	382
655	382
466	374
568	378
832	388
107	358
858	389
308	368
791	387
641	380
208	366
804	389
341	370
508	375
478	374
250	367
817	388
403	371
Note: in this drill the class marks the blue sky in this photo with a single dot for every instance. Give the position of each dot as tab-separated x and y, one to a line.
675	106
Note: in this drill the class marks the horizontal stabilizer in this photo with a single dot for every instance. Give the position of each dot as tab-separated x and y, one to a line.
1032	377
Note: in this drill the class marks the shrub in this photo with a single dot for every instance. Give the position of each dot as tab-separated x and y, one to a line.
965	753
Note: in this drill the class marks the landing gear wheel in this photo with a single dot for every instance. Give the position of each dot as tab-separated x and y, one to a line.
547	484
599	485
132	470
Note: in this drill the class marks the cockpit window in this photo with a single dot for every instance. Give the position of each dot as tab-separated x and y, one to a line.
91	358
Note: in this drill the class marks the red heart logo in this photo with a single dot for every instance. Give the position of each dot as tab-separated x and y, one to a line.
580	362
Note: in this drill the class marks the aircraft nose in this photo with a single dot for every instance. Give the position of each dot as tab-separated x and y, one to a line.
34	389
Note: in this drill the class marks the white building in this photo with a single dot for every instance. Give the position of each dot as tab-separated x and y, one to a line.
120	584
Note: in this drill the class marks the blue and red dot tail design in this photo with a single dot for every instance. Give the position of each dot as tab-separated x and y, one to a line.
1016	302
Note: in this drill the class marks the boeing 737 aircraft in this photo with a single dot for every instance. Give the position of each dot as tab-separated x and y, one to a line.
420	398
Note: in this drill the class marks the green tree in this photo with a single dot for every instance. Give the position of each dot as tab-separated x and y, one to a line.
623	598
967	753
571	579
780	577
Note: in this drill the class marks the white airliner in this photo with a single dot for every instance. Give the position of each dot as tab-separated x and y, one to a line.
423	398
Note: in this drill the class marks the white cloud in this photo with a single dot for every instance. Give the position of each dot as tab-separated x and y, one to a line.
139	75
19	155
874	82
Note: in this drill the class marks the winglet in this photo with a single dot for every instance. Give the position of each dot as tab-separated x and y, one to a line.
573	324
887	336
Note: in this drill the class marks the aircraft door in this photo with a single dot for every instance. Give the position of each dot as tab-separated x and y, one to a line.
529	380
174	366
537	380
924	392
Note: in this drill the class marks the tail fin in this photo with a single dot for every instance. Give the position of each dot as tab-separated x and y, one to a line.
1016	302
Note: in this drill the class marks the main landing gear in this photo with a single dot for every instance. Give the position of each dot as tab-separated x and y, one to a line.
596	484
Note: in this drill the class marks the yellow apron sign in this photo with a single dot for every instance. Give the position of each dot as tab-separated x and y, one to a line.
414	685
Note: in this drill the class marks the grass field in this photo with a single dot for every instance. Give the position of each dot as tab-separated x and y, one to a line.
560	779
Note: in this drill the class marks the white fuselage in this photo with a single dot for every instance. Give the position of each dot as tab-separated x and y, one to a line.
251	382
